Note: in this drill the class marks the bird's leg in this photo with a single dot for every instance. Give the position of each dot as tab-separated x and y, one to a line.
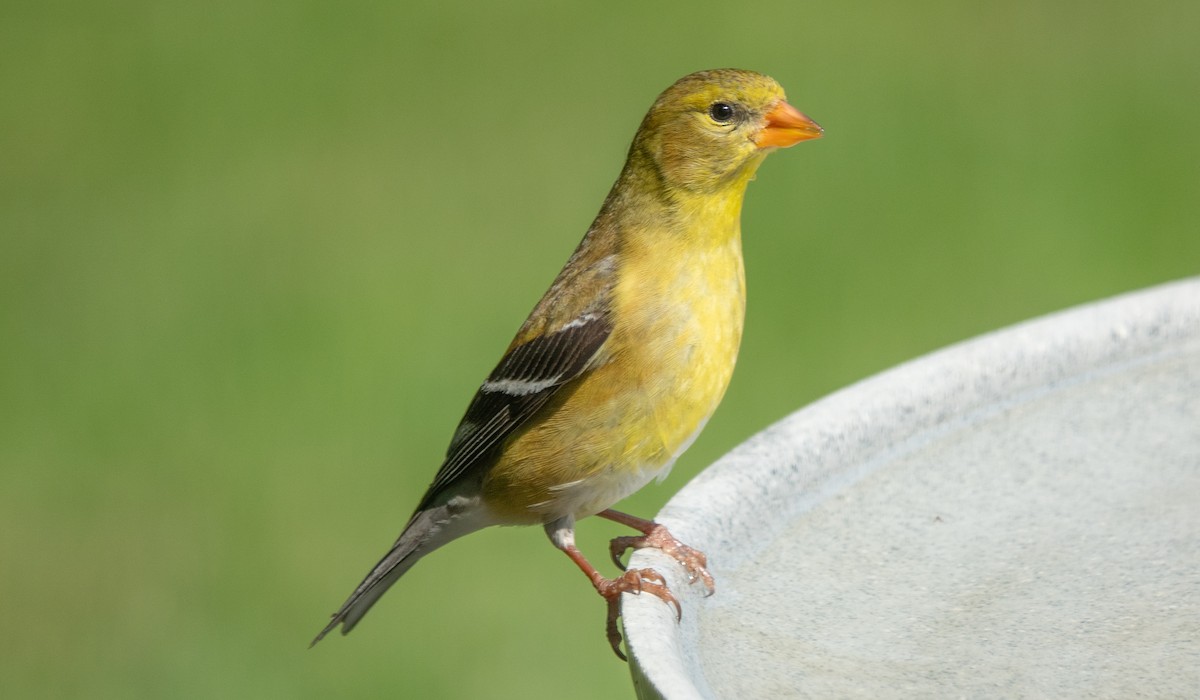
657	536
635	581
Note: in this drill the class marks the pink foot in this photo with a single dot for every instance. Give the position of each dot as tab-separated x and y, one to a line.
657	536
634	581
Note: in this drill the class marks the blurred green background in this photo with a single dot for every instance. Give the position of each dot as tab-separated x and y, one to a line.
256	256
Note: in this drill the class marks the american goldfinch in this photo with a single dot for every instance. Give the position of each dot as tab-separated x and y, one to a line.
624	359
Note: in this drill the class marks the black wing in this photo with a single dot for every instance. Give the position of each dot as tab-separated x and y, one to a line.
522	383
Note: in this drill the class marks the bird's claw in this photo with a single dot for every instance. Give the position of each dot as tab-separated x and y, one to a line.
636	581
617	548
693	561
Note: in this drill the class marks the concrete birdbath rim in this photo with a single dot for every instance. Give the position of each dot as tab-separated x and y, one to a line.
738	506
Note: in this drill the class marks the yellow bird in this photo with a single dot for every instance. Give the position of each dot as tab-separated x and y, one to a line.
624	359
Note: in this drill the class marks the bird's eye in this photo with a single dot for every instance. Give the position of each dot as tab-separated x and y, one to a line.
721	112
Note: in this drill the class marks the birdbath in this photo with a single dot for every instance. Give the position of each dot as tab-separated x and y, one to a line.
1015	515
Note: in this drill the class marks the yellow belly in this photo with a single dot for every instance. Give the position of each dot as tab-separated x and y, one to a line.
671	355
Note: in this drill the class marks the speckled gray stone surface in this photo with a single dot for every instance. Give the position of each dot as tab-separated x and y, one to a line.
1017	515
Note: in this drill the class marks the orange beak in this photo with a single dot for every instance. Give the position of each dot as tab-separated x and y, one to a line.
786	126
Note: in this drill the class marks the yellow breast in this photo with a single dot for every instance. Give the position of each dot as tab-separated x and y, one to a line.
683	315
679	306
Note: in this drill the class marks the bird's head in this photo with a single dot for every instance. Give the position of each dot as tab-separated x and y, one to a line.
712	128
